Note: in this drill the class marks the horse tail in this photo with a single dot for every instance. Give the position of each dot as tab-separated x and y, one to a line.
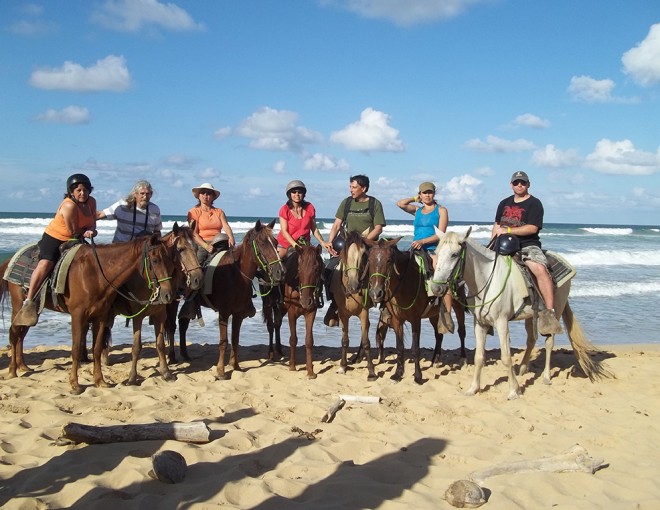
4	284
583	348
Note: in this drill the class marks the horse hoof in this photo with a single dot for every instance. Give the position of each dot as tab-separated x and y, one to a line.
341	370
130	382
372	377
396	378
311	376
419	380
76	391
547	380
169	377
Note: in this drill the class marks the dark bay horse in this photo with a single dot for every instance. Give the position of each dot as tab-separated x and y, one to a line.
231	288
95	275
299	295
136	299
397	282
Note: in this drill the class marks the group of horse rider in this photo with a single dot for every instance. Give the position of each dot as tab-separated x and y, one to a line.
518	221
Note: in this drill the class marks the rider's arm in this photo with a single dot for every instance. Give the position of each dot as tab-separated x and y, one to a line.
406	204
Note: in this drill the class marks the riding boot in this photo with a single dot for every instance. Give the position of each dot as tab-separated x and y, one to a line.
189	308
28	315
548	323
331	318
445	323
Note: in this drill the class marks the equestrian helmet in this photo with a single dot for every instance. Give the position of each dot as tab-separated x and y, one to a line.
508	244
338	243
296	184
76	179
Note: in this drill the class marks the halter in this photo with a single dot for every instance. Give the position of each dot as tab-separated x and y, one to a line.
456	275
387	278
184	269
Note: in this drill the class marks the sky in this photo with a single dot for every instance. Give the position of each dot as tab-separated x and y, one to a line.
250	94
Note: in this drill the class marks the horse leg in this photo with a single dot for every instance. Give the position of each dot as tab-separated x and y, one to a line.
502	326
437	351
159	320
293	338
459	311
343	363
366	346
397	326
531	342
99	346
381	333
277	317
480	332
170	329
309	342
416	328
16	335
135	351
220	370
236	322
183	330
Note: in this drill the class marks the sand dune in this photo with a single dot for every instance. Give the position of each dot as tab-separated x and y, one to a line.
400	453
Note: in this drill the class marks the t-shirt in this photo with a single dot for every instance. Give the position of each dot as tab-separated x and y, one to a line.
359	219
423	225
209	223
147	221
515	214
297	227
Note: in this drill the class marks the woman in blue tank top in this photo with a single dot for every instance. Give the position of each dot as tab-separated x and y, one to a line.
430	214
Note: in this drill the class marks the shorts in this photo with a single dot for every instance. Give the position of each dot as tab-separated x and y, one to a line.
535	254
49	248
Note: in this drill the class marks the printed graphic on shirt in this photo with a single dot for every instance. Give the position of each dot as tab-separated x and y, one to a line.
512	216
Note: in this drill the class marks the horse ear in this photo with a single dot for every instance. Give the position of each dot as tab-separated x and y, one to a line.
175	228
154	238
271	224
393	242
467	234
193	224
370	242
257	225
319	249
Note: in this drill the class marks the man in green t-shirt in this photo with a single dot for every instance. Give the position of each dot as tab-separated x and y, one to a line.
359	213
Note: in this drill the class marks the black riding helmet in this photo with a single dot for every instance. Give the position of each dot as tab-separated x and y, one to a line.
76	179
338	243
507	244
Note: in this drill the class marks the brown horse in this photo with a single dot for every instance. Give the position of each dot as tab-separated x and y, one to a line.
299	294
231	294
349	290
397	281
92	284
135	301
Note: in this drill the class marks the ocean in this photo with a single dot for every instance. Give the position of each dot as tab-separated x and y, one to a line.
615	294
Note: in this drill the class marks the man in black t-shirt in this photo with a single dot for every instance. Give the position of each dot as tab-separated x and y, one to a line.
522	215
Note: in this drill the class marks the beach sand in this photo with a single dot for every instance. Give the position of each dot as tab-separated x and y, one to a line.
397	454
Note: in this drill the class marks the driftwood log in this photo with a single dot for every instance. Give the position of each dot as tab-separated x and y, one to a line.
338	404
576	458
194	432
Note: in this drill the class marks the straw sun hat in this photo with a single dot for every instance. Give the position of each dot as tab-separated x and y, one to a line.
208	186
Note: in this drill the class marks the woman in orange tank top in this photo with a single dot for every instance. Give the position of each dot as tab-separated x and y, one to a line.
210	221
75	217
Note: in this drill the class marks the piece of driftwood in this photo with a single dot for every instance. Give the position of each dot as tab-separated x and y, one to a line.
576	458
332	410
337	405
194	432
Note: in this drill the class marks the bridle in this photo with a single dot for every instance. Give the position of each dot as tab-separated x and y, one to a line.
184	268
387	278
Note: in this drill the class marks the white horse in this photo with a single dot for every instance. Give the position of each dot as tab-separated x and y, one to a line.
497	294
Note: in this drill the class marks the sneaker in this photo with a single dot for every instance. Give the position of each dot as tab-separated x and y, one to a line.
331	318
548	323
27	315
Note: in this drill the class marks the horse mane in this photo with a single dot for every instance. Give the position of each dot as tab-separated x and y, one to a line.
351	238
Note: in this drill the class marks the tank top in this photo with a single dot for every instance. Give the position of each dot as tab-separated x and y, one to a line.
209	223
57	227
423	225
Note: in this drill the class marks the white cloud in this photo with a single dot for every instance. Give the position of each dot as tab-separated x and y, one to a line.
499	145
551	157
320	161
222	133
256	192
32	27
110	74
406	12
372	133
531	121
621	158
68	115
486	171
279	167
590	90
133	15
275	130
462	189
643	61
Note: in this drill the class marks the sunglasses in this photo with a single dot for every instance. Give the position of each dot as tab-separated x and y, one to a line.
518	182
298	191
205	192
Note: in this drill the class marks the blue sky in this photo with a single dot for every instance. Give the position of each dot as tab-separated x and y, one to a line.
250	94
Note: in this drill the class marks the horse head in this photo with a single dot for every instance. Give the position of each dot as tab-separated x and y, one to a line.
182	247
380	263
310	271
354	263
158	268
450	260
263	244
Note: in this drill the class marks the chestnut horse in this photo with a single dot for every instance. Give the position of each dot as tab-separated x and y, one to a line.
398	282
135	301
231	294
299	294
93	280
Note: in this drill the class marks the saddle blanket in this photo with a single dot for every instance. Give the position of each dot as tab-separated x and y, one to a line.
207	289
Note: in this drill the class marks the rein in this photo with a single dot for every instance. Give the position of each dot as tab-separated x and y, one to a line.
399	283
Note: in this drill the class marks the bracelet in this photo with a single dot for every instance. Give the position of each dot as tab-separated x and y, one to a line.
508	230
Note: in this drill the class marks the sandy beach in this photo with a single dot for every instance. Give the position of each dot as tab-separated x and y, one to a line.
269	449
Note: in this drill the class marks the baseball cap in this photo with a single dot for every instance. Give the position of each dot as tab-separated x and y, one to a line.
519	176
425	186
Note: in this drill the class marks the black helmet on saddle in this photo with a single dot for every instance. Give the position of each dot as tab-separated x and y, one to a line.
507	244
76	179
338	243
